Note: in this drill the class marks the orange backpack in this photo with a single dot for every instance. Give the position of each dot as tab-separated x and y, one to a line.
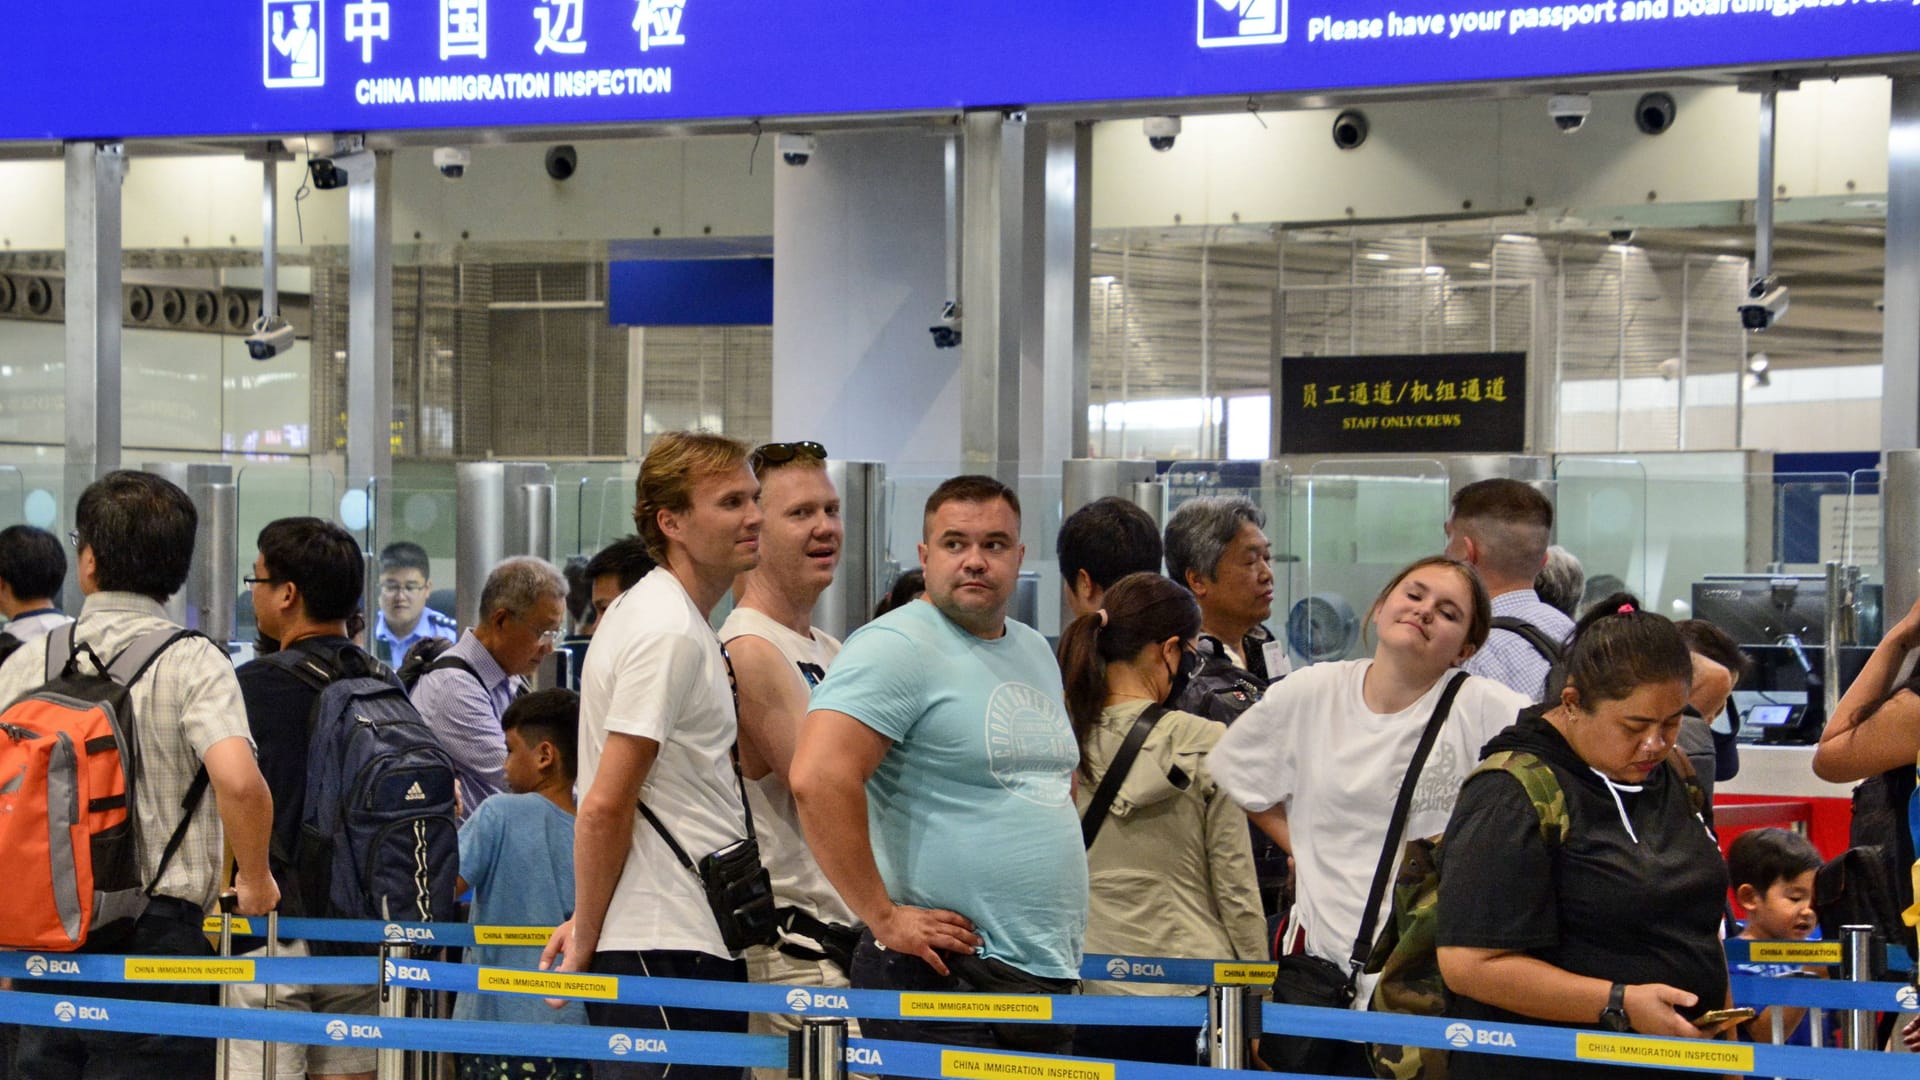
67	763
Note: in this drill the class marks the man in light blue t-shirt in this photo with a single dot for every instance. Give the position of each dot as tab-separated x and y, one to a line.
933	778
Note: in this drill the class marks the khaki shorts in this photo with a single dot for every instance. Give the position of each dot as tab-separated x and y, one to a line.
293	1061
769	965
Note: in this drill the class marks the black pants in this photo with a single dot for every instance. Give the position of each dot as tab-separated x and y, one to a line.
875	968
169	928
665	964
1159	1045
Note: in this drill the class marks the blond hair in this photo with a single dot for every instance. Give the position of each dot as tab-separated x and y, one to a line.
673	464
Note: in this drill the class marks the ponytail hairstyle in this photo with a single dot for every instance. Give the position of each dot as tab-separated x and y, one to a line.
1617	648
1141	609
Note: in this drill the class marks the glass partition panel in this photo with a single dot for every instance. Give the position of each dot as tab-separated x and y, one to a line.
13	500
1268	485
266	492
425	511
1862	549
595	504
1363	521
1600	515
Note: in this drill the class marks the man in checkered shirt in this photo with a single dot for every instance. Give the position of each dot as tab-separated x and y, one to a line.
1502	528
134	538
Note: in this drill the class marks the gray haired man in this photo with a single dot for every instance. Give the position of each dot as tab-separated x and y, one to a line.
523	612
1216	547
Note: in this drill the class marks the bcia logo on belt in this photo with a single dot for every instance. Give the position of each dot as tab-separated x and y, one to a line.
800	1000
622	1043
1466	1035
40	965
338	1030
68	1012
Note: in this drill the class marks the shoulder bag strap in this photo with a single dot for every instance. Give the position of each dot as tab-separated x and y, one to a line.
1117	770
739	779
59	649
1363	942
1549	649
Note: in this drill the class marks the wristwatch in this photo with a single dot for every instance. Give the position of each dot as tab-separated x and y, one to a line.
1614	1016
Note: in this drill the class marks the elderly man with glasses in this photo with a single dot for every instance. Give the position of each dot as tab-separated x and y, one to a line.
523	613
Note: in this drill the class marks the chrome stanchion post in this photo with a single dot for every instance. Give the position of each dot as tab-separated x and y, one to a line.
1860	1022
391	1064
1227	1027
823	1048
269	1050
222	1061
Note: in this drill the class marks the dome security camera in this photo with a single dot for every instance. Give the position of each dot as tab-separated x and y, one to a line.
452	161
1654	113
1161	131
796	147
1569	111
562	162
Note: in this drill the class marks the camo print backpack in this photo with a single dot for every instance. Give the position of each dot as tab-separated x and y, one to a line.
1406	960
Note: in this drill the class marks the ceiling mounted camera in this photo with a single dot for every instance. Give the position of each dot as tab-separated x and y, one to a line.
271	336
452	161
1766	304
1161	131
562	161
1569	111
326	175
1654	113
796	147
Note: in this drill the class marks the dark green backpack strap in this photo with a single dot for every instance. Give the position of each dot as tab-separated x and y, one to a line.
1542	788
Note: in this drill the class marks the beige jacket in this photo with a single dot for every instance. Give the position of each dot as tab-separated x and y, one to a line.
1171	871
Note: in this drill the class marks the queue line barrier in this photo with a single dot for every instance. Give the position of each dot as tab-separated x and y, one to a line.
431	975
1094	967
404	1034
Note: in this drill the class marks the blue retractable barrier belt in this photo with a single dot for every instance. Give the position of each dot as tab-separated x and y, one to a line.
1760	991
1806	953
937	1062
86	967
470	1037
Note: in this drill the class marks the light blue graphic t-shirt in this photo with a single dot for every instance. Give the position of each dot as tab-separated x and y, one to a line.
972	808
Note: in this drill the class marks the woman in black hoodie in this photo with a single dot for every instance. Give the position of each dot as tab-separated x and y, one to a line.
1614	926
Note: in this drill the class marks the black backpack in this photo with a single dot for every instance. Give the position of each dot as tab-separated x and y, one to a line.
429	654
1553	652
378	833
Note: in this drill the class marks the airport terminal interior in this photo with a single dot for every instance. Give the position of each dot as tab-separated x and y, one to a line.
1679	297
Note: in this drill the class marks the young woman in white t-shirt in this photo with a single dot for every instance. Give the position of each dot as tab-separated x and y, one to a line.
1318	761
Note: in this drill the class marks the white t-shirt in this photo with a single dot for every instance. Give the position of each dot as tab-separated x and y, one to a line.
1312	745
656	671
797	880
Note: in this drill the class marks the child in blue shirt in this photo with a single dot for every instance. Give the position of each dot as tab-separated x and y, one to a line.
1772	872
516	852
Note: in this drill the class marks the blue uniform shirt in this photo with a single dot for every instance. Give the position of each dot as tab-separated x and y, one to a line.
392	649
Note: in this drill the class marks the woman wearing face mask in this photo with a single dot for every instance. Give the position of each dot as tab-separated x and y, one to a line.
1170	865
1318	762
1614	926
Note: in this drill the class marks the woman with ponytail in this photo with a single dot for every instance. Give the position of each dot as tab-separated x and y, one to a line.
1579	884
1170	862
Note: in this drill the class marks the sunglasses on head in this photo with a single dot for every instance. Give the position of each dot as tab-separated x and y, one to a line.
779	453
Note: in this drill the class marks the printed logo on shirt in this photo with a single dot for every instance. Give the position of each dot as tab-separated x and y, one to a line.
1439	783
1030	746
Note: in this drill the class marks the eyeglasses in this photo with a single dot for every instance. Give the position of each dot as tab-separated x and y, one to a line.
547	637
73	537
250	581
779	453
395	588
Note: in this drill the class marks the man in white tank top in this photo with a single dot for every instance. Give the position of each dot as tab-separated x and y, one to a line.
778	656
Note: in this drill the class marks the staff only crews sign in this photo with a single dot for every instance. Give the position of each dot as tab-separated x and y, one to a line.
1434	403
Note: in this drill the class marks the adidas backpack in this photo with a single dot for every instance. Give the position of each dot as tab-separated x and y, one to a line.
67	769
1406	958
378	834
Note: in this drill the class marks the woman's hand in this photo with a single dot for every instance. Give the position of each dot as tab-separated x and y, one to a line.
1654	1009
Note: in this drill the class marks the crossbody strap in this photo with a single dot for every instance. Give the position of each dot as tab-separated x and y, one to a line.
1117	770
1363	942
739	778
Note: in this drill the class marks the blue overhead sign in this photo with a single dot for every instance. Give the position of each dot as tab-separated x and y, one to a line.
121	69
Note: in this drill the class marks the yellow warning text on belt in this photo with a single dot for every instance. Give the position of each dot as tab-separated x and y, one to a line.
152	970
1244	974
240	926
603	987
978	1006
1796	952
511	935
973	1065
1666	1053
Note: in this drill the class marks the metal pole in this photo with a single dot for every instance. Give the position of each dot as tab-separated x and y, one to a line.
370	333
1837	601
270	1050
1226	1027
1763	206
222	1061
270	238
1860	1022
823	1048
391	1064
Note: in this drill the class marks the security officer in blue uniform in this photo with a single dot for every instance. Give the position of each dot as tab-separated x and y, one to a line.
404	618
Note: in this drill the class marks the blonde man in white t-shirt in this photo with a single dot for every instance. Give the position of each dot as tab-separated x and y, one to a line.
657	726
779	656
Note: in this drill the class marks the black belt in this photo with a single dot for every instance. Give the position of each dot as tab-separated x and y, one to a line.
838	940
